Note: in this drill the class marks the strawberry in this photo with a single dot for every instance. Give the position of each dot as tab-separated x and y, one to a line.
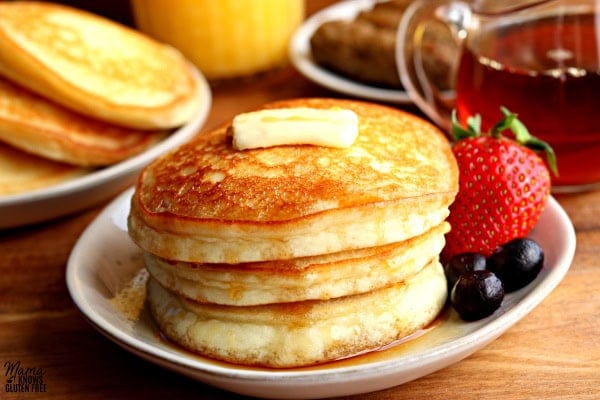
503	185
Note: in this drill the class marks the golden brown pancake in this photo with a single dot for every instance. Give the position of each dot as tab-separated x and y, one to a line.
208	203
21	172
302	333
44	128
95	66
318	277
294	255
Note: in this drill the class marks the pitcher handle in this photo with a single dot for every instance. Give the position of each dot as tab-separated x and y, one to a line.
435	102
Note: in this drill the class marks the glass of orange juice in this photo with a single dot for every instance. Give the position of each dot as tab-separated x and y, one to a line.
223	38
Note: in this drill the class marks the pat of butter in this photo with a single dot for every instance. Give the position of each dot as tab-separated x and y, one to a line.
331	127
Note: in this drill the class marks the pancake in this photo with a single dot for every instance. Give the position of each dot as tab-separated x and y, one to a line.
21	172
303	333
208	203
41	127
95	66
309	278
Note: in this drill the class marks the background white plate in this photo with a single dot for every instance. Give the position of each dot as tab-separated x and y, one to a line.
104	260
301	58
90	189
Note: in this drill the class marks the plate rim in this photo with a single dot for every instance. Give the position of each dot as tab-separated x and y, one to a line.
300	55
453	351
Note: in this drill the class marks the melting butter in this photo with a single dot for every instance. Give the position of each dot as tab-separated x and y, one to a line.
330	127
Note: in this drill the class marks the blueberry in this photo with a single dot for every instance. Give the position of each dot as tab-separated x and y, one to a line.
517	263
461	263
477	294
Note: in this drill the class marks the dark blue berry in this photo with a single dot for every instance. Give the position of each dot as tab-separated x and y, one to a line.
477	294
461	263
517	263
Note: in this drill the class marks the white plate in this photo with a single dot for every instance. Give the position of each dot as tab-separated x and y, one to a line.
82	192
301	58
104	260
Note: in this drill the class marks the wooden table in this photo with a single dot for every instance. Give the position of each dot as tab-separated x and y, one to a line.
553	353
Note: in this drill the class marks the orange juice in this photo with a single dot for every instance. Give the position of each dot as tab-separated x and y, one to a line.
223	38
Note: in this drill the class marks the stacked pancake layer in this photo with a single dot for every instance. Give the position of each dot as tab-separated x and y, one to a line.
22	172
283	335
307	278
38	126
295	255
79	89
95	66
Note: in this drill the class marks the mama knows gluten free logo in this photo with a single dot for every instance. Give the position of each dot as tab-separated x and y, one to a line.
23	379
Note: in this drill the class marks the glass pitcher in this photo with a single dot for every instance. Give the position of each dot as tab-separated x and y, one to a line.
540	59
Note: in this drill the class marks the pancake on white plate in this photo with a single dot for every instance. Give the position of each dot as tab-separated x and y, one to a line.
96	66
39	126
296	254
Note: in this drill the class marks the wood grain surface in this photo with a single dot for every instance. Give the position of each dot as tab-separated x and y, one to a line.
553	353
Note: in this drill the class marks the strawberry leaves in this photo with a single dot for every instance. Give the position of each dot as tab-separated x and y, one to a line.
510	122
473	128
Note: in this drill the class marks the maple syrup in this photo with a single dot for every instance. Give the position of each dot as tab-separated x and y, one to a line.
548	72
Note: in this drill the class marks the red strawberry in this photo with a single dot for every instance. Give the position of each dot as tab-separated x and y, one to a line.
503	185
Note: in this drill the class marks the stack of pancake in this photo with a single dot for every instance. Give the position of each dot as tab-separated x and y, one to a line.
294	255
78	91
